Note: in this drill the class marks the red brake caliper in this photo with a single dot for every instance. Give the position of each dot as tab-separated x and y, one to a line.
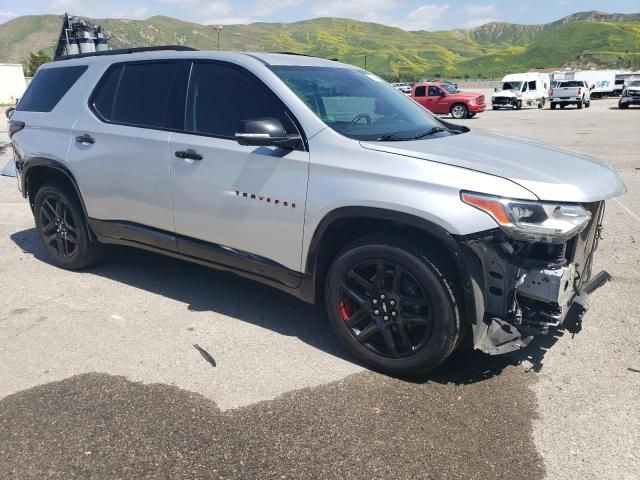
345	309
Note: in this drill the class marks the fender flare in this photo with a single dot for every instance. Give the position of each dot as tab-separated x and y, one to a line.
446	239
55	165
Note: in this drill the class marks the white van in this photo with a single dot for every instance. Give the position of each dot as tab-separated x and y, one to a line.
519	90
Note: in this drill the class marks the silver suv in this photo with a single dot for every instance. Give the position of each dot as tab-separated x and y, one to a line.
319	179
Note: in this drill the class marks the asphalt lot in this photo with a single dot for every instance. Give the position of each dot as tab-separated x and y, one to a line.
100	378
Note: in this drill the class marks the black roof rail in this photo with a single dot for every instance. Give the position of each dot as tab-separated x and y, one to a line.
122	51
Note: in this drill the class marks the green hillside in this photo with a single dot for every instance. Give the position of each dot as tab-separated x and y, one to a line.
584	39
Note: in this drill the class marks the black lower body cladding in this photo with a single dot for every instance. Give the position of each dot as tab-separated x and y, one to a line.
526	289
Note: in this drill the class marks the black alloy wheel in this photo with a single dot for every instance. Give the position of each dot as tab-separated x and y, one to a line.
62	227
385	308
58	228
392	306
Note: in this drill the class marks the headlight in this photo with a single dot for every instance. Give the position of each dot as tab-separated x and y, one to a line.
532	221
472	101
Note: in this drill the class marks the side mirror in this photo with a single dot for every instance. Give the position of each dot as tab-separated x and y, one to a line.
592	87
265	132
495	89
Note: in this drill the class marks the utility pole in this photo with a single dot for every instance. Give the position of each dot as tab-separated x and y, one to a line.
218	30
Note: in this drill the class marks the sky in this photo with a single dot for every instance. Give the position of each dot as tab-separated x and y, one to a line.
406	14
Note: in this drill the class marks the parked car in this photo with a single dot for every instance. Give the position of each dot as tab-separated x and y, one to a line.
571	92
403	87
443	98
520	90
326	183
630	94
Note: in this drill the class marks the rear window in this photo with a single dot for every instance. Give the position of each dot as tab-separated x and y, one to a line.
135	94
48	87
571	84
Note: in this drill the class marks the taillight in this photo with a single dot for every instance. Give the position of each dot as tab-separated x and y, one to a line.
579	90
14	127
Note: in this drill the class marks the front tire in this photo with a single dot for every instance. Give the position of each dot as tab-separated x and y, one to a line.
459	111
392	307
553	105
63	229
518	104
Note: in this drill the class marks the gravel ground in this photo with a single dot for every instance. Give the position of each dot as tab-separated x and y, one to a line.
102	362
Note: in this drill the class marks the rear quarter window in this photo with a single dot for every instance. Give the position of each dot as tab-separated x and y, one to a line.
48	87
135	94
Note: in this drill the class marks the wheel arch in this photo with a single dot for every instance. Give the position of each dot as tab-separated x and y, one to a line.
39	170
345	224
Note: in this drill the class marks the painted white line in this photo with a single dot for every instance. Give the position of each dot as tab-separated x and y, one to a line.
626	209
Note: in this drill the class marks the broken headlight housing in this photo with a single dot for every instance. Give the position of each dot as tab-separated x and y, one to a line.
532	221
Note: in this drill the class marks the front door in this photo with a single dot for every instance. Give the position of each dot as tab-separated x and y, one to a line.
436	99
246	201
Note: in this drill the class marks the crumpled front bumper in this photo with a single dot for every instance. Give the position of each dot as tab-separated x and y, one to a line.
525	289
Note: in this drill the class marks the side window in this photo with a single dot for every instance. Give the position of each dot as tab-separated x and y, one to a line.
220	97
420	91
532	85
105	96
136	94
48	87
434	92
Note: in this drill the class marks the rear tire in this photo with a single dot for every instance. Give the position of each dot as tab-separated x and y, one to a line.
580	104
518	104
541	104
63	228
391	306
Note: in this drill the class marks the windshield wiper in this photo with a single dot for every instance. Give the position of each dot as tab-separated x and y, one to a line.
391	138
431	132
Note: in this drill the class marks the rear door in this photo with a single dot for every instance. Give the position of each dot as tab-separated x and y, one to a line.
246	201
120	145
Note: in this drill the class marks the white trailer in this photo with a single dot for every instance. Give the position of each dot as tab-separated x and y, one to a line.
601	82
12	82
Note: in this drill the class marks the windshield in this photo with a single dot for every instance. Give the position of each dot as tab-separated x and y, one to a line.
357	104
450	88
635	83
511	86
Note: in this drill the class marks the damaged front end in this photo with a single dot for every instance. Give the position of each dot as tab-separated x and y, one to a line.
525	287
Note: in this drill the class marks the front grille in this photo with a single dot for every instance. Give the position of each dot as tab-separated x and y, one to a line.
481	100
502	100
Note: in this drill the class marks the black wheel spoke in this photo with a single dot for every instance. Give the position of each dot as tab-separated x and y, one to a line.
397	278
356	318
387	336
59	247
48	205
405	341
51	238
366	333
414	301
380	274
48	228
66	222
353	294
360	281
417	320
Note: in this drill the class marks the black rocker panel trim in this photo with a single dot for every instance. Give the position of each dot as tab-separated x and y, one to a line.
243	263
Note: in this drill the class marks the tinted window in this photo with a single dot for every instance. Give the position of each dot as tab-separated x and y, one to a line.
48	87
104	99
420	91
532	85
220	97
434	92
142	95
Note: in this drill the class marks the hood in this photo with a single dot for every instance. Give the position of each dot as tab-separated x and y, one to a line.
549	173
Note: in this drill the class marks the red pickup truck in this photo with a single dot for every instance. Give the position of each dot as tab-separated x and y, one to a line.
444	98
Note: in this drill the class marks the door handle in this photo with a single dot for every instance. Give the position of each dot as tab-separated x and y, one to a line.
189	154
86	139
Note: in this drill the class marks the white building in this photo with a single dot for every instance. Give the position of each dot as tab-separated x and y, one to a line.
12	82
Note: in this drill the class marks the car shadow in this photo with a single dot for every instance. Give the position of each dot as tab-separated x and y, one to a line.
205	289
